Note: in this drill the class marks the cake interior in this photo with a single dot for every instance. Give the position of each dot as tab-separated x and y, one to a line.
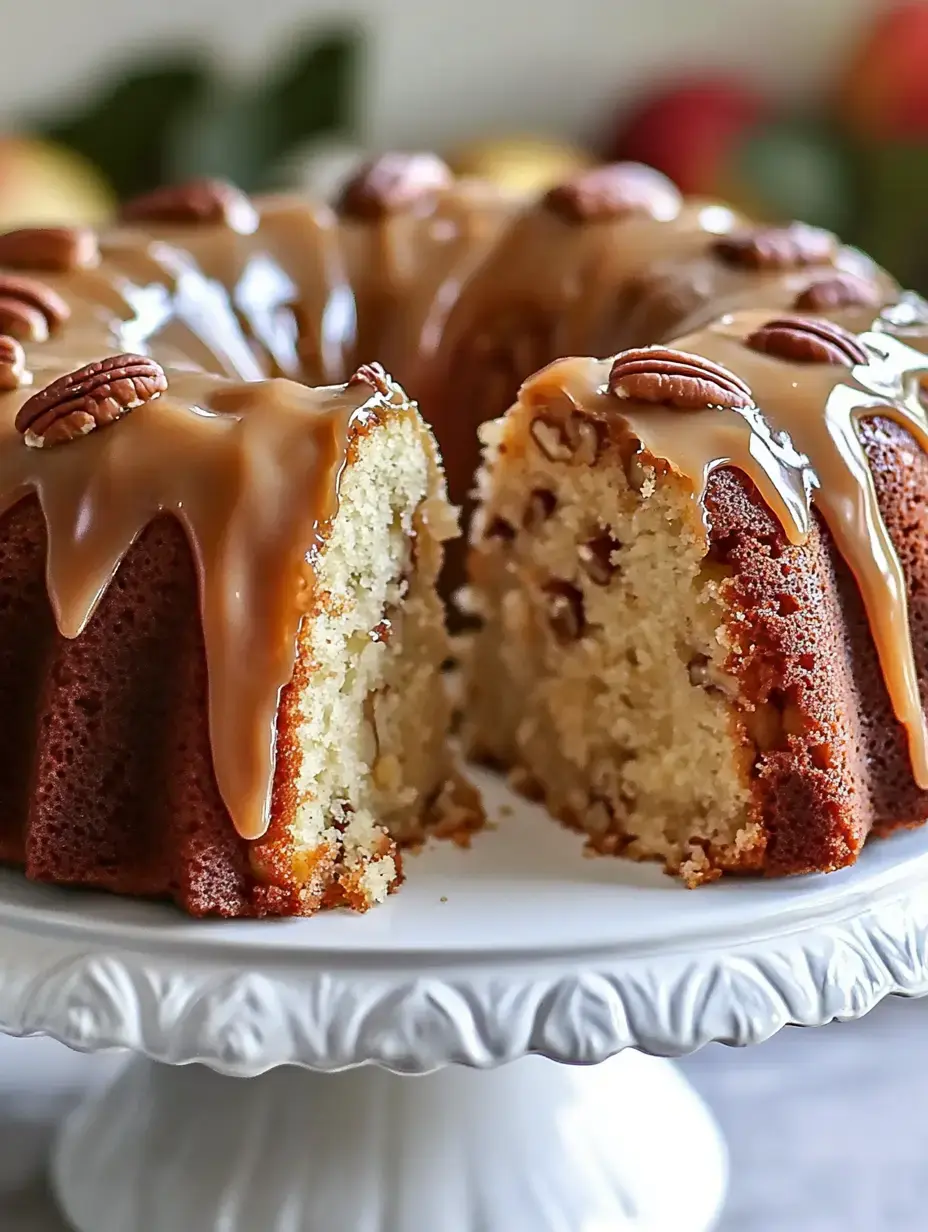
112	724
599	671
361	737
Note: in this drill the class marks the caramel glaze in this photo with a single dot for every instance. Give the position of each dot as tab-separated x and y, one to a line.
462	292
681	297
548	288
799	444
249	466
406	267
552	287
282	276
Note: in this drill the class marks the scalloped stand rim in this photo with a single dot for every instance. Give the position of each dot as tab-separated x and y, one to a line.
530	1147
535	950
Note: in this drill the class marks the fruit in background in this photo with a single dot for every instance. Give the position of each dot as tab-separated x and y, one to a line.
884	92
521	165
692	132
44	183
792	169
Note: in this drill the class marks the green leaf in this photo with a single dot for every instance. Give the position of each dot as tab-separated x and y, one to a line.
127	129
225	137
800	169
895	226
313	94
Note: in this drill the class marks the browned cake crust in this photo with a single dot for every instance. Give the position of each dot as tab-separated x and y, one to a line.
108	780
833	762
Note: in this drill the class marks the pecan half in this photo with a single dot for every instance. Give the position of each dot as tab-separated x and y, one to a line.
500	529
13	372
391	183
803	341
565	611
22	321
839	291
676	378
29	310
777	248
596	558
614	191
541	504
373	375
95	395
207	202
572	439
56	249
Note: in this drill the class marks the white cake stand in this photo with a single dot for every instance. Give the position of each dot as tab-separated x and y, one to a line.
518	950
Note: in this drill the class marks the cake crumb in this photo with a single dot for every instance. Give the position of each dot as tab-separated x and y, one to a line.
457	812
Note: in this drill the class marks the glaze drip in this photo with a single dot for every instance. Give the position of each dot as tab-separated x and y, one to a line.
799	445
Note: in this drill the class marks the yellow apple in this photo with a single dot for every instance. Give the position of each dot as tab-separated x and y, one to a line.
521	165
42	183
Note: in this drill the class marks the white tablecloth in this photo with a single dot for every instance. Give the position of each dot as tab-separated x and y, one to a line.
828	1129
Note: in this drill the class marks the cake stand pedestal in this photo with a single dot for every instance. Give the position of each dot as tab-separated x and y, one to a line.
489	966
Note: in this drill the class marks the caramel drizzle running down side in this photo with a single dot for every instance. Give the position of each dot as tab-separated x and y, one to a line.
251	471
800	446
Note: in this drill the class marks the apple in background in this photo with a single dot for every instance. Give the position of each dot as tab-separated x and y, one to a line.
520	165
691	132
42	183
884	92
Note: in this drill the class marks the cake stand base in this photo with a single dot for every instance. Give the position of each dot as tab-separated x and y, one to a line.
529	1147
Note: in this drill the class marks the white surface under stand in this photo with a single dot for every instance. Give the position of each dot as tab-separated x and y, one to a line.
520	946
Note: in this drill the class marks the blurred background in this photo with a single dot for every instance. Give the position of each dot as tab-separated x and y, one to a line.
800	108
790	108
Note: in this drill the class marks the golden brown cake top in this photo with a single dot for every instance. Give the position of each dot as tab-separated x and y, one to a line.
779	399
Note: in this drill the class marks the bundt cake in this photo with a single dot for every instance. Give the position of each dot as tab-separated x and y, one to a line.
219	629
702	572
220	637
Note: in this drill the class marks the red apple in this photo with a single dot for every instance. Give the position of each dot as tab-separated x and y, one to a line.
884	93
690	131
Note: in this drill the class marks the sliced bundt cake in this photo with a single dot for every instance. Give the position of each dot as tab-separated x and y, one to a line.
219	634
220	638
703	579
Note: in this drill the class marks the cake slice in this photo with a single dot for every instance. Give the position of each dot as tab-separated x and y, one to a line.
704	596
220	638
